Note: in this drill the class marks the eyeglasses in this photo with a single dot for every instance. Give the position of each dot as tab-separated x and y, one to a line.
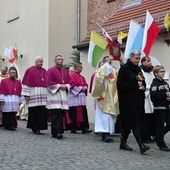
161	71
60	59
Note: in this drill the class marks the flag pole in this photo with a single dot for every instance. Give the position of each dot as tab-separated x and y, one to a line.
98	25
102	29
168	26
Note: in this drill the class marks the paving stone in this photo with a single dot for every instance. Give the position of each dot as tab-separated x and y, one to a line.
23	150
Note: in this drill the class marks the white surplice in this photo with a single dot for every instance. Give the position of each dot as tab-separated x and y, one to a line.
104	122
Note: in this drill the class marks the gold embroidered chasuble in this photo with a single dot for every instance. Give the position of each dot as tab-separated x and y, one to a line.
105	89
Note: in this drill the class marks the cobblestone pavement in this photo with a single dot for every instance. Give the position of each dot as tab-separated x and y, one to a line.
23	150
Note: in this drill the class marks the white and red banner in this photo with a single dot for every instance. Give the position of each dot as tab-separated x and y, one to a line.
11	53
151	32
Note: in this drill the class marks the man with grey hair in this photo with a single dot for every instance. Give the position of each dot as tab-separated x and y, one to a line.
35	93
131	88
4	73
71	69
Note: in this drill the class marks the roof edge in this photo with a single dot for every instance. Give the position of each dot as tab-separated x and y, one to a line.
81	46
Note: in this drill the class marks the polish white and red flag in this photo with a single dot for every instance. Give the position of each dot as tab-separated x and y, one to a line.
106	35
151	32
12	54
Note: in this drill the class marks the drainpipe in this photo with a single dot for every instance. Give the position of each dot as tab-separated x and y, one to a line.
78	21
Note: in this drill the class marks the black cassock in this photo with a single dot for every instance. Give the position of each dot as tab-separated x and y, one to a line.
131	98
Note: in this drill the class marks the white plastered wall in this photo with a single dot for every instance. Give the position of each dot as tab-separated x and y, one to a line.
29	32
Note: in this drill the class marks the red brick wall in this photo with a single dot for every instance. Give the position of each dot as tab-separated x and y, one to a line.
100	11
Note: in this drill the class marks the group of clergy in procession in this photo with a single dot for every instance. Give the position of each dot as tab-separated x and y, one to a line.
136	98
53	93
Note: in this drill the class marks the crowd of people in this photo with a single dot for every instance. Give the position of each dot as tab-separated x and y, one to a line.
129	93
134	98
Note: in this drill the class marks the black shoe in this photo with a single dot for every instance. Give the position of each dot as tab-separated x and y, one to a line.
37	132
142	150
86	131
143	147
73	131
125	147
12	129
59	136
159	143
165	148
97	133
106	138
